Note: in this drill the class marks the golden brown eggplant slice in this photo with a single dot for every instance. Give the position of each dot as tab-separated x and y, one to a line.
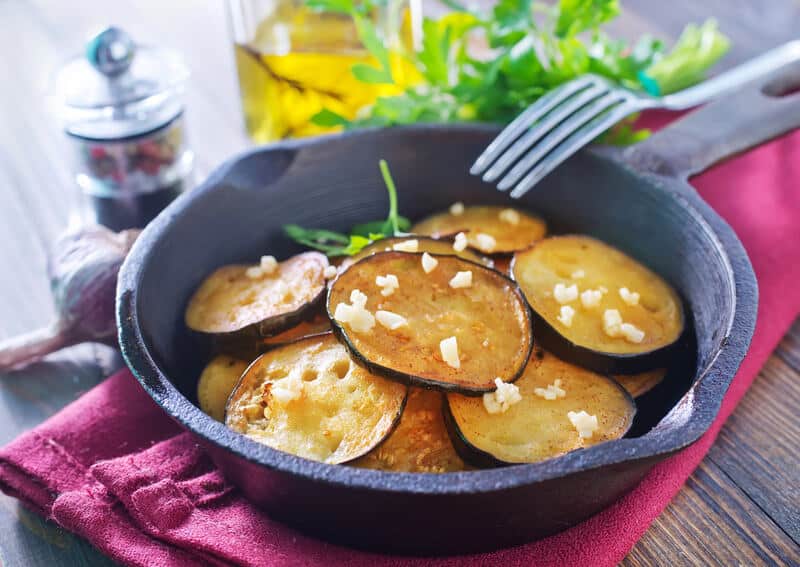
232	301
420	443
639	384
511	229
308	398
488	320
536	428
216	383
443	245
644	304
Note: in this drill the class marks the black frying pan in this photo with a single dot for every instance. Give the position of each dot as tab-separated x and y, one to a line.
636	199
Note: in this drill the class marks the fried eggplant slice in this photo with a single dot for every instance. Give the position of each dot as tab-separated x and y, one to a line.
308	398
508	229
536	428
456	328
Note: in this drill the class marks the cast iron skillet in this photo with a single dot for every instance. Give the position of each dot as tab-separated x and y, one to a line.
636	199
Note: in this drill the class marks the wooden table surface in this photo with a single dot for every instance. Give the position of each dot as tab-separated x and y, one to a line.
740	507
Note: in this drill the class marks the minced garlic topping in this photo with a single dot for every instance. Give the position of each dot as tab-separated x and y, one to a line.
612	321
268	264
355	315
429	263
552	391
505	396
457	209
285	391
330	272
629	297
461	279
485	242
510	216
631	333
591	298
564	294
585	424
460	242
407	246
391	321
449	350
614	326
566	315
388	284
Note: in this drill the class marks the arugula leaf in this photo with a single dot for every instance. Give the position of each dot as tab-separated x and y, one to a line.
697	49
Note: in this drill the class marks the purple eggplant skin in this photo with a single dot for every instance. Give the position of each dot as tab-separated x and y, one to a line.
82	265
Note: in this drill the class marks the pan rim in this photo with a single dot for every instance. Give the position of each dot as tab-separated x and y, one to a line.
681	427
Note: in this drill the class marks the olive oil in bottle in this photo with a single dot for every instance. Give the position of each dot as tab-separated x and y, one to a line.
297	63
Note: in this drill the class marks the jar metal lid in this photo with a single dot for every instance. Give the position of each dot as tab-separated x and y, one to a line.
119	89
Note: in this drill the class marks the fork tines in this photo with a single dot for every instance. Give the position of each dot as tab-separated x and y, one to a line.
551	130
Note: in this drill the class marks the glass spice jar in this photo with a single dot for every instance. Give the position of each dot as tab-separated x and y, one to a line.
122	106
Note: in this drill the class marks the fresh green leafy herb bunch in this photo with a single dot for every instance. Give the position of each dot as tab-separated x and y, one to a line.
529	47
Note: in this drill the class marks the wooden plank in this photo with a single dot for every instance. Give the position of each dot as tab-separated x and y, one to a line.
712	522
757	448
789	349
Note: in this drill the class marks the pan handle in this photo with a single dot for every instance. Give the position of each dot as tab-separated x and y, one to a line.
760	111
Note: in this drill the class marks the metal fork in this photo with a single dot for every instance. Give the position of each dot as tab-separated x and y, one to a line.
567	118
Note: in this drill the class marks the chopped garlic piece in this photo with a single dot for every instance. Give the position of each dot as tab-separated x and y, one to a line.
591	298
510	216
391	321
585	424
612	323
449	350
389	283
552	391
286	391
407	246
628	296
485	242
460	243
330	272
603	289
631	333
457	209
254	272
505	396
566	315
355	315
429	263
358	298
564	294
461	279
578	274
268	264
485	343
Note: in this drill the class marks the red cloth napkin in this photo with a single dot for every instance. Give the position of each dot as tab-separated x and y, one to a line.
114	469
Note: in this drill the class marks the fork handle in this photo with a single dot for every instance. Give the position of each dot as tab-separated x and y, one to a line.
725	127
756	68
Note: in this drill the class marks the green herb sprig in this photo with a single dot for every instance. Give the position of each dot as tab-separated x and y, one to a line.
533	47
361	235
